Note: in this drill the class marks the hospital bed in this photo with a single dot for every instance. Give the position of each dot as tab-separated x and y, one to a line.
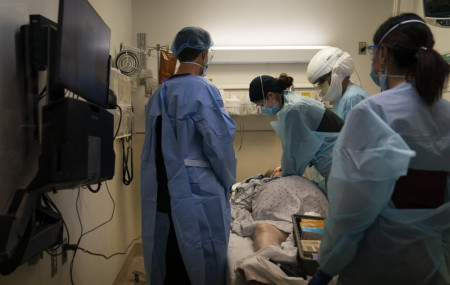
245	266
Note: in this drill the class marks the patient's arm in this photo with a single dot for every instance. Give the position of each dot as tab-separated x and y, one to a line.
265	234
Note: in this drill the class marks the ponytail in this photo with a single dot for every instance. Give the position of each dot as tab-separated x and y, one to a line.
411	42
431	74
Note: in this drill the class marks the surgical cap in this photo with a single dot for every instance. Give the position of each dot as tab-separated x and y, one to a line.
270	84
325	60
191	37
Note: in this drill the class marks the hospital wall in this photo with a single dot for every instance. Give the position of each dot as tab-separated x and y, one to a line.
441	35
254	22
94	209
257	23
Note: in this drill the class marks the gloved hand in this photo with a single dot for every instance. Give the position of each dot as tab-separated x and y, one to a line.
320	278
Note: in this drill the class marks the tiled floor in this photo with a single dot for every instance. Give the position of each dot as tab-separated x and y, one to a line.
133	263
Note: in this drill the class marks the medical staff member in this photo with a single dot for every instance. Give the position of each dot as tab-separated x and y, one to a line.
188	167
307	129
330	70
389	186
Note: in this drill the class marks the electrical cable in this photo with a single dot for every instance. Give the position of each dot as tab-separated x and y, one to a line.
79	239
50	204
99	185
112	214
81	227
73	247
127	175
242	132
120	121
359	78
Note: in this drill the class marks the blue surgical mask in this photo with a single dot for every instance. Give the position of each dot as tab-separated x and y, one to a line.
270	111
373	76
383	76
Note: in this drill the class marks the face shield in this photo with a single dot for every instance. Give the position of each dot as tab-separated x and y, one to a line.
322	63
210	56
344	67
322	84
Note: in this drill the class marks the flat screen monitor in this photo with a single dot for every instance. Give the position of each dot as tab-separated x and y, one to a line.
82	51
437	8
437	12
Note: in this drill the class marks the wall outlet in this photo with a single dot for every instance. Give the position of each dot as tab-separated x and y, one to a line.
142	40
362	48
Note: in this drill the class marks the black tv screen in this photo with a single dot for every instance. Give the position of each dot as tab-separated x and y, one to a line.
437	8
82	59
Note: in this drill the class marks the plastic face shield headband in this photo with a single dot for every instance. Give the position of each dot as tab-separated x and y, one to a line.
262	88
210	56
372	48
270	111
401	23
261	103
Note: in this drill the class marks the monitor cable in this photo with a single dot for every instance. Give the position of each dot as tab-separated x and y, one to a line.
127	159
51	205
82	234
99	185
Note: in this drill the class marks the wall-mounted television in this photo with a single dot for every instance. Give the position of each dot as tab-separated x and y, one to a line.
72	142
437	12
82	52
77	135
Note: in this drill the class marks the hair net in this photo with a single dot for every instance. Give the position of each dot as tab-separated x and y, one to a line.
191	37
325	60
258	92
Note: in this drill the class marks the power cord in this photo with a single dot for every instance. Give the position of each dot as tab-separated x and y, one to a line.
99	185
75	247
127	175
120	122
81	226
50	204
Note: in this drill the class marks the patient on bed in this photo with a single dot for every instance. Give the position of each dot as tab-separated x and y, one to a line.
262	207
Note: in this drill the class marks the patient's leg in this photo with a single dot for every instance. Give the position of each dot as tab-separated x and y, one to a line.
265	234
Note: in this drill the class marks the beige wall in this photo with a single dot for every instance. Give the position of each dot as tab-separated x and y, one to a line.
257	146
441	35
255	22
94	209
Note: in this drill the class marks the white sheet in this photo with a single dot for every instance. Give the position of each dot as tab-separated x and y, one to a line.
245	265
271	202
238	248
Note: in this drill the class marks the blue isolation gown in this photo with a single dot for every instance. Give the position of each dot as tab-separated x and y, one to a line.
351	97
367	240
197	146
302	145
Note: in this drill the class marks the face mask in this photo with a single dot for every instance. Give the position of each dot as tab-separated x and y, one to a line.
384	85
383	76
373	76
270	111
204	67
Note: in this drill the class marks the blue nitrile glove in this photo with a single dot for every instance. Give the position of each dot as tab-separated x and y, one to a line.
320	278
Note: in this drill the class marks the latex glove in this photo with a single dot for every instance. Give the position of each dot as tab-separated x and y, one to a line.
320	278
